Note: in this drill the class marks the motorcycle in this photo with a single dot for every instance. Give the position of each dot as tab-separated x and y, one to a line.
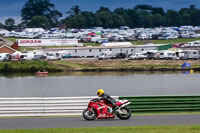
99	109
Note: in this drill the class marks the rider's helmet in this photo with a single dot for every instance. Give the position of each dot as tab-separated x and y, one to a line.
100	92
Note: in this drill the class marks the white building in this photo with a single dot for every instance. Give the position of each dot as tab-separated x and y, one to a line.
96	51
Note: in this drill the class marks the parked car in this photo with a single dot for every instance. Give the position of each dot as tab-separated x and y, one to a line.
119	56
39	57
66	56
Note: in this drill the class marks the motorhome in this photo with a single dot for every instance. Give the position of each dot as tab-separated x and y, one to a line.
26	56
5	56
137	56
167	54
153	54
191	54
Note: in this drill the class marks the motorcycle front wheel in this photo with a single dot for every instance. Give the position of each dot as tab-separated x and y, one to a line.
124	113
89	115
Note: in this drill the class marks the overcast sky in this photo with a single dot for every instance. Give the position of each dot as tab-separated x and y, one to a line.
12	8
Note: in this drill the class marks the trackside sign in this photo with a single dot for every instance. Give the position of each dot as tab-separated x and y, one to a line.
48	42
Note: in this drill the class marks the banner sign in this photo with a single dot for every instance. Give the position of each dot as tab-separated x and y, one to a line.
48	42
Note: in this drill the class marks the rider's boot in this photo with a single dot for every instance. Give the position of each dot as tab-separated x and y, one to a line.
115	109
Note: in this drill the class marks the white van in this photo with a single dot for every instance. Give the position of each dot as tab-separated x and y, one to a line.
137	56
105	55
27	56
191	54
167	54
4	56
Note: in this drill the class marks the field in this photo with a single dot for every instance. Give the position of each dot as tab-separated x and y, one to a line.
135	129
123	65
92	65
28	66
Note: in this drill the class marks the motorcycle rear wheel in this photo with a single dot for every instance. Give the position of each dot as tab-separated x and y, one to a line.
89	115
125	115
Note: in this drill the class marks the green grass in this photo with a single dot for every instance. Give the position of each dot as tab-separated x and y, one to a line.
179	40
91	44
12	39
90	66
135	129
28	66
24	49
73	65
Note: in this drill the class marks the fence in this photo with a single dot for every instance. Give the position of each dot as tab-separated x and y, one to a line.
55	106
159	104
43	106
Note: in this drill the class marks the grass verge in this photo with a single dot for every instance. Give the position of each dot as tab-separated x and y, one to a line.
28	66
135	129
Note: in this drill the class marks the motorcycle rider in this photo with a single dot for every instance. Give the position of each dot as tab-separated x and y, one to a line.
107	98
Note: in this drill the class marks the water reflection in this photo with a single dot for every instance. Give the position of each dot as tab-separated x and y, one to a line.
95	73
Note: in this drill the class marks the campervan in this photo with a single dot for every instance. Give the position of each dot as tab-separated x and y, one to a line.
105	55
167	54
152	54
26	56
4	56
191	54
137	56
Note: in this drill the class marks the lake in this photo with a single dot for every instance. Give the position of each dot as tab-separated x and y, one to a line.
87	84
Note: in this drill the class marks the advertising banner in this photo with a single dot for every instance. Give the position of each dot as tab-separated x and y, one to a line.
48	42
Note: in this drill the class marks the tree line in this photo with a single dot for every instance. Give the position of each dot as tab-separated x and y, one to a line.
42	13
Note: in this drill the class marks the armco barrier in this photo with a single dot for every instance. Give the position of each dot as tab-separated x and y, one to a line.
159	104
55	106
43	106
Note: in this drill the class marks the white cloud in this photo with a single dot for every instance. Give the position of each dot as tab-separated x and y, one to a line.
16	18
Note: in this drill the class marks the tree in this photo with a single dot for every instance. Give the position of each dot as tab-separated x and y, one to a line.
119	11
75	10
101	9
143	7
9	24
173	18
159	11
158	20
40	8
38	21
1	25
145	19
77	21
104	18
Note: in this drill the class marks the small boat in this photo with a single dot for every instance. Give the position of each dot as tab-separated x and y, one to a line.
41	73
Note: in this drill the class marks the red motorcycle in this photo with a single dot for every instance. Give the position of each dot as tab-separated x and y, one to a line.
99	109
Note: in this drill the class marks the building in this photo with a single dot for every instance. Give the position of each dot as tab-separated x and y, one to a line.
96	51
7	49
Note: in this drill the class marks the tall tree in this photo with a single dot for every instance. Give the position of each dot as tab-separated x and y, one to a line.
75	10
1	25
101	9
173	18
40	8
38	21
158	20
9	24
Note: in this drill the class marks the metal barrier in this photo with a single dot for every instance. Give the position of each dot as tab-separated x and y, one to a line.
159	104
60	106
43	106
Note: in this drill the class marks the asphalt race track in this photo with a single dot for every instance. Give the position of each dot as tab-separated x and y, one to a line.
75	122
